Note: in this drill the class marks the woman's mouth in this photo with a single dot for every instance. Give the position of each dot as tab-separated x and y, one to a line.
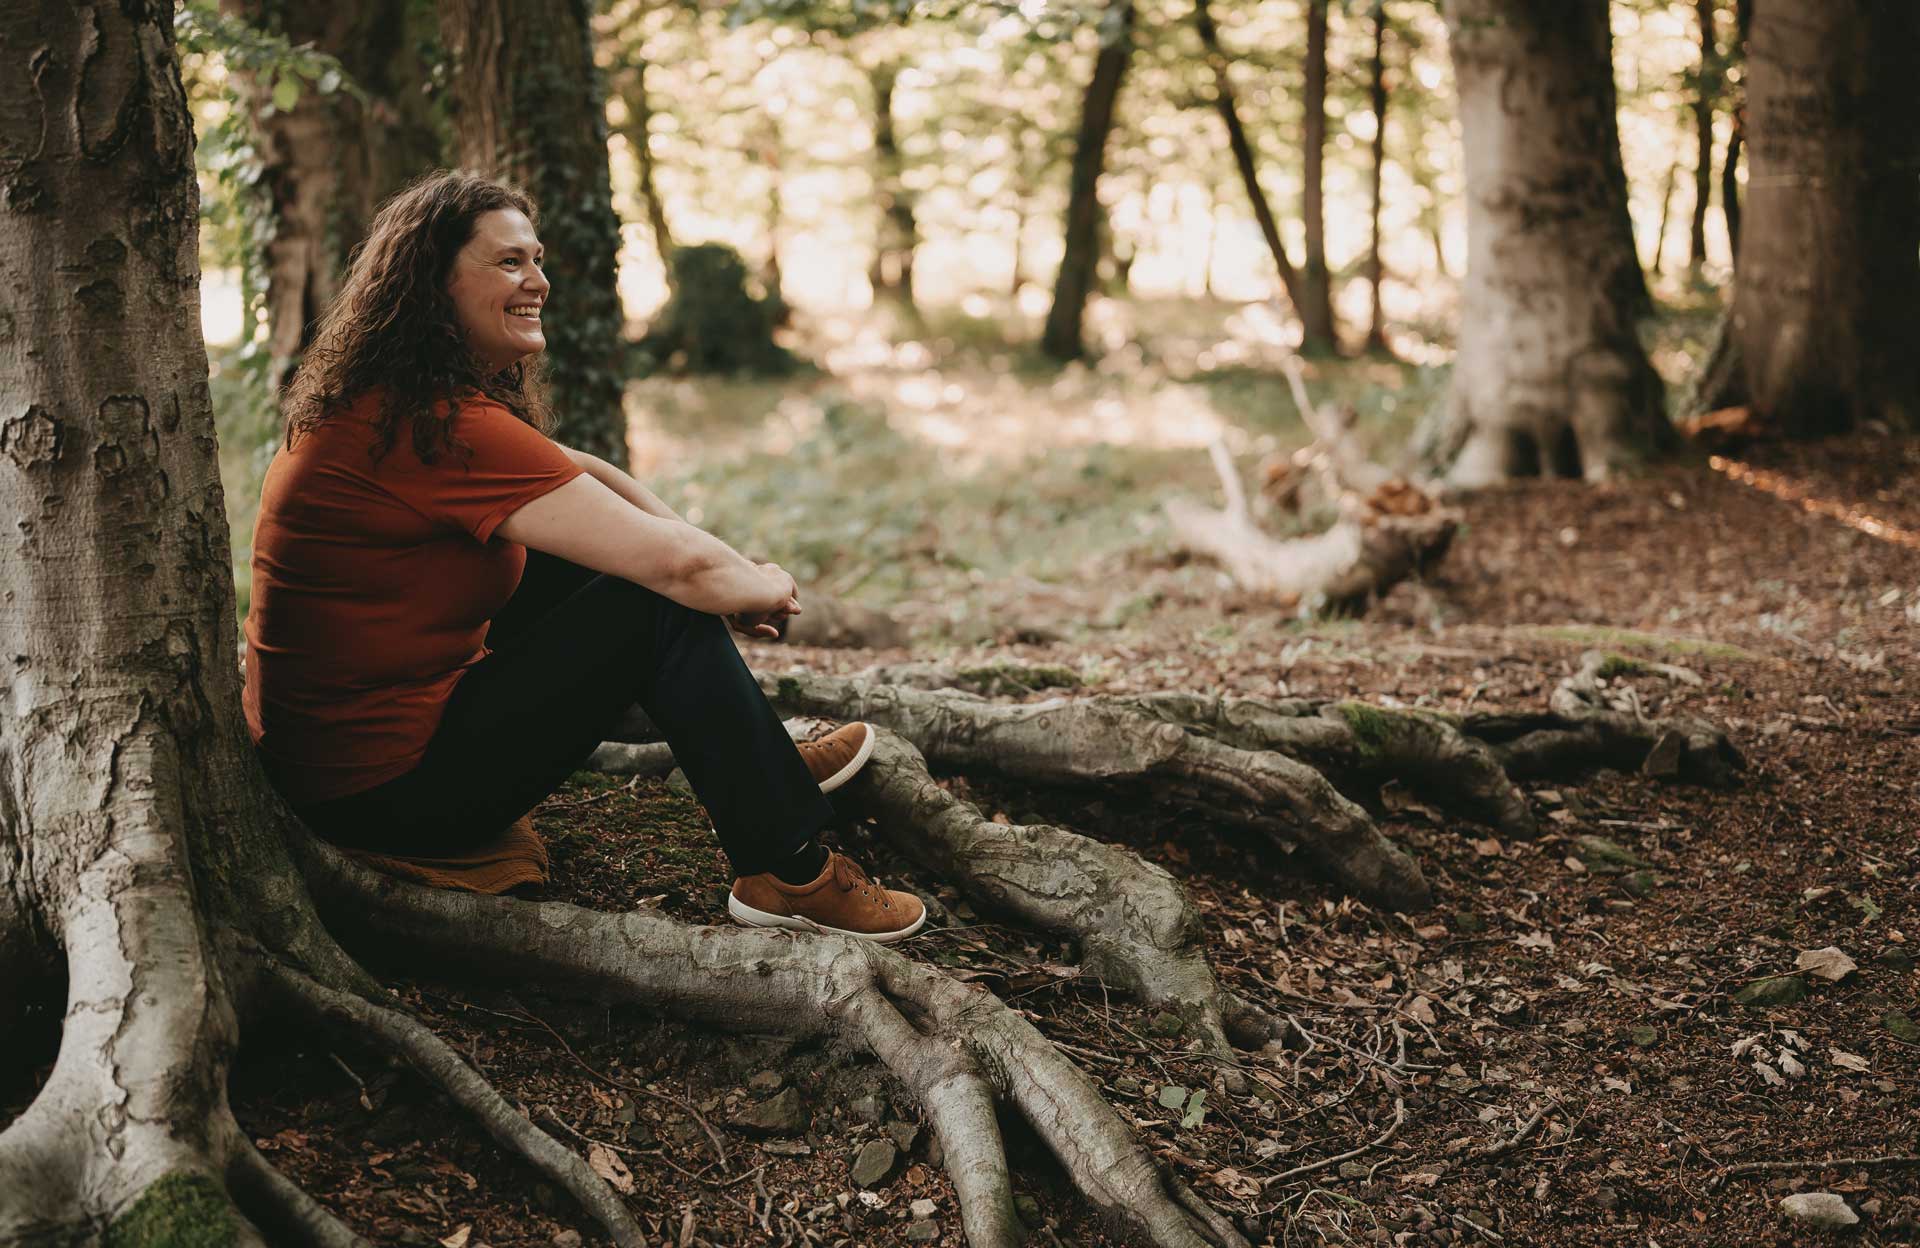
529	310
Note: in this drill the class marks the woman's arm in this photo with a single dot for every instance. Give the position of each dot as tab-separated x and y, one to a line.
586	523
622	484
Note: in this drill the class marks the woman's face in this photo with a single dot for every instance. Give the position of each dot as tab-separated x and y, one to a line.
497	289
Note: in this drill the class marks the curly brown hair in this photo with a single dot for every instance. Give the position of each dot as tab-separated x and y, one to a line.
393	325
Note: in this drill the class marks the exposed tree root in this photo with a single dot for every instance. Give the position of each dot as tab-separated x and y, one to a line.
956	1047
1097	741
279	1205
1132	921
437	1062
1596	723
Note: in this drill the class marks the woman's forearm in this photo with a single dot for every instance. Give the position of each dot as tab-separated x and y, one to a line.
624	485
709	575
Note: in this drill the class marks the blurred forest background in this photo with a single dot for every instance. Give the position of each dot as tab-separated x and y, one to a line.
914	346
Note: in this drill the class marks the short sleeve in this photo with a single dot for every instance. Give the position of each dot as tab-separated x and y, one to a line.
511	464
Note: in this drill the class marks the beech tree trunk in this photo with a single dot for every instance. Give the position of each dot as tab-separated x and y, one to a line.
1376	343
123	757
1225	104
1062	337
1550	378
528	107
639	132
1320	334
331	159
1829	271
891	273
1709	89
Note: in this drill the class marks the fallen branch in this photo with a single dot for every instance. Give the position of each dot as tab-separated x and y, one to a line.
1379	1141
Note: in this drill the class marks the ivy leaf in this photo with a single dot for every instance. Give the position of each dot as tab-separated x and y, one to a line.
286	92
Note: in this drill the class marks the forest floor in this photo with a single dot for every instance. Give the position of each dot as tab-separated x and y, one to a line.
1560	1028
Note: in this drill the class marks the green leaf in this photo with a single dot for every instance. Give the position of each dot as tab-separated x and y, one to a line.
1902	1027
1173	1096
286	92
1196	1109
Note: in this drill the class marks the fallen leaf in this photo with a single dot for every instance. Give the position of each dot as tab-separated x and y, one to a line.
1234	1183
1828	963
1421	1011
1790	1065
1850	1061
1173	1096
608	1166
459	1238
1773	1077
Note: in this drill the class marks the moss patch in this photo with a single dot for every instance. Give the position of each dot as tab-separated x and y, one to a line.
1006	678
1373	728
176	1211
1619	665
1601	637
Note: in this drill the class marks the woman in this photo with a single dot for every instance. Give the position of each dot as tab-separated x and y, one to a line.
410	691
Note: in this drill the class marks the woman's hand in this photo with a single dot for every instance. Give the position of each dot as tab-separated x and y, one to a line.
771	623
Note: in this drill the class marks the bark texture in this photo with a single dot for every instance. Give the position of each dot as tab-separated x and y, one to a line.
1316	311
1062	337
1550	378
528	107
1829	257
332	159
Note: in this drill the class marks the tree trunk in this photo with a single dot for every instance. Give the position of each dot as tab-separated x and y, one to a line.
1062	338
1550	377
891	274
1666	212
331	159
1709	89
123	757
1319	333
1224	103
1376	343
528	107
1829	269
639	132
1730	167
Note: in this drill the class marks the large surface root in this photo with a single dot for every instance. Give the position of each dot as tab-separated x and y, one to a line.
956	1047
1100	742
1132	921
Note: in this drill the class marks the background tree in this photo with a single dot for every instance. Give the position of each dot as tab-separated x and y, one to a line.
331	157
1316	313
1550	377
528	106
1062	338
1376	343
1707	89
1819	337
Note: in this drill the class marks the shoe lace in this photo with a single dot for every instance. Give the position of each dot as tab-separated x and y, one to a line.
848	876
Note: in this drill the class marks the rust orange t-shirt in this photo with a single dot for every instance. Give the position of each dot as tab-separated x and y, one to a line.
373	584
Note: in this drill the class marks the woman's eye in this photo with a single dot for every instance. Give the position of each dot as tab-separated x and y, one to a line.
511	260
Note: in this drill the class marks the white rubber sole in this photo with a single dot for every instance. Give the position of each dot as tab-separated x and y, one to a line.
852	769
751	917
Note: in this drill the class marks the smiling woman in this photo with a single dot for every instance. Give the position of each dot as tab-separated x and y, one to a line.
443	627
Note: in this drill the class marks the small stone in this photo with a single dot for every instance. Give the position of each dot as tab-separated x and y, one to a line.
1166	1025
923	1208
1901	1026
1774	990
1127	1085
1355	1169
1644	1036
1895	959
787	1148
1820	1209
1606	1199
1601	854
923	1232
1664	758
640	1135
873	1164
784	1114
903	1135
1468	923
1638	884
568	1238
868	1109
677	782
766	1082
1028	1208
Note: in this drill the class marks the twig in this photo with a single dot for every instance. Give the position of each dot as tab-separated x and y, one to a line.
1463	1220
1826	1163
1399	1117
1519	1137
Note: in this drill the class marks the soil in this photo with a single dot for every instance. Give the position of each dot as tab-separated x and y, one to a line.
1551	1055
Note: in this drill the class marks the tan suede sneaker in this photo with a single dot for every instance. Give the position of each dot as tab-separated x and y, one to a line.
842	902
838	757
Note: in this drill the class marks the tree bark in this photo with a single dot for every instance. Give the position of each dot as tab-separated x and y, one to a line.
891	273
1376	343
331	159
1828	274
1319	332
1224	103
1709	89
1551	378
528	107
123	757
1062	337
639	132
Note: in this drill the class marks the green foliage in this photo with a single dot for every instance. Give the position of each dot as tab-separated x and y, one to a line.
176	1211
715	323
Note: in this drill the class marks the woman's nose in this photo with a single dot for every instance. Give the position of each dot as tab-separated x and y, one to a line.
537	279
